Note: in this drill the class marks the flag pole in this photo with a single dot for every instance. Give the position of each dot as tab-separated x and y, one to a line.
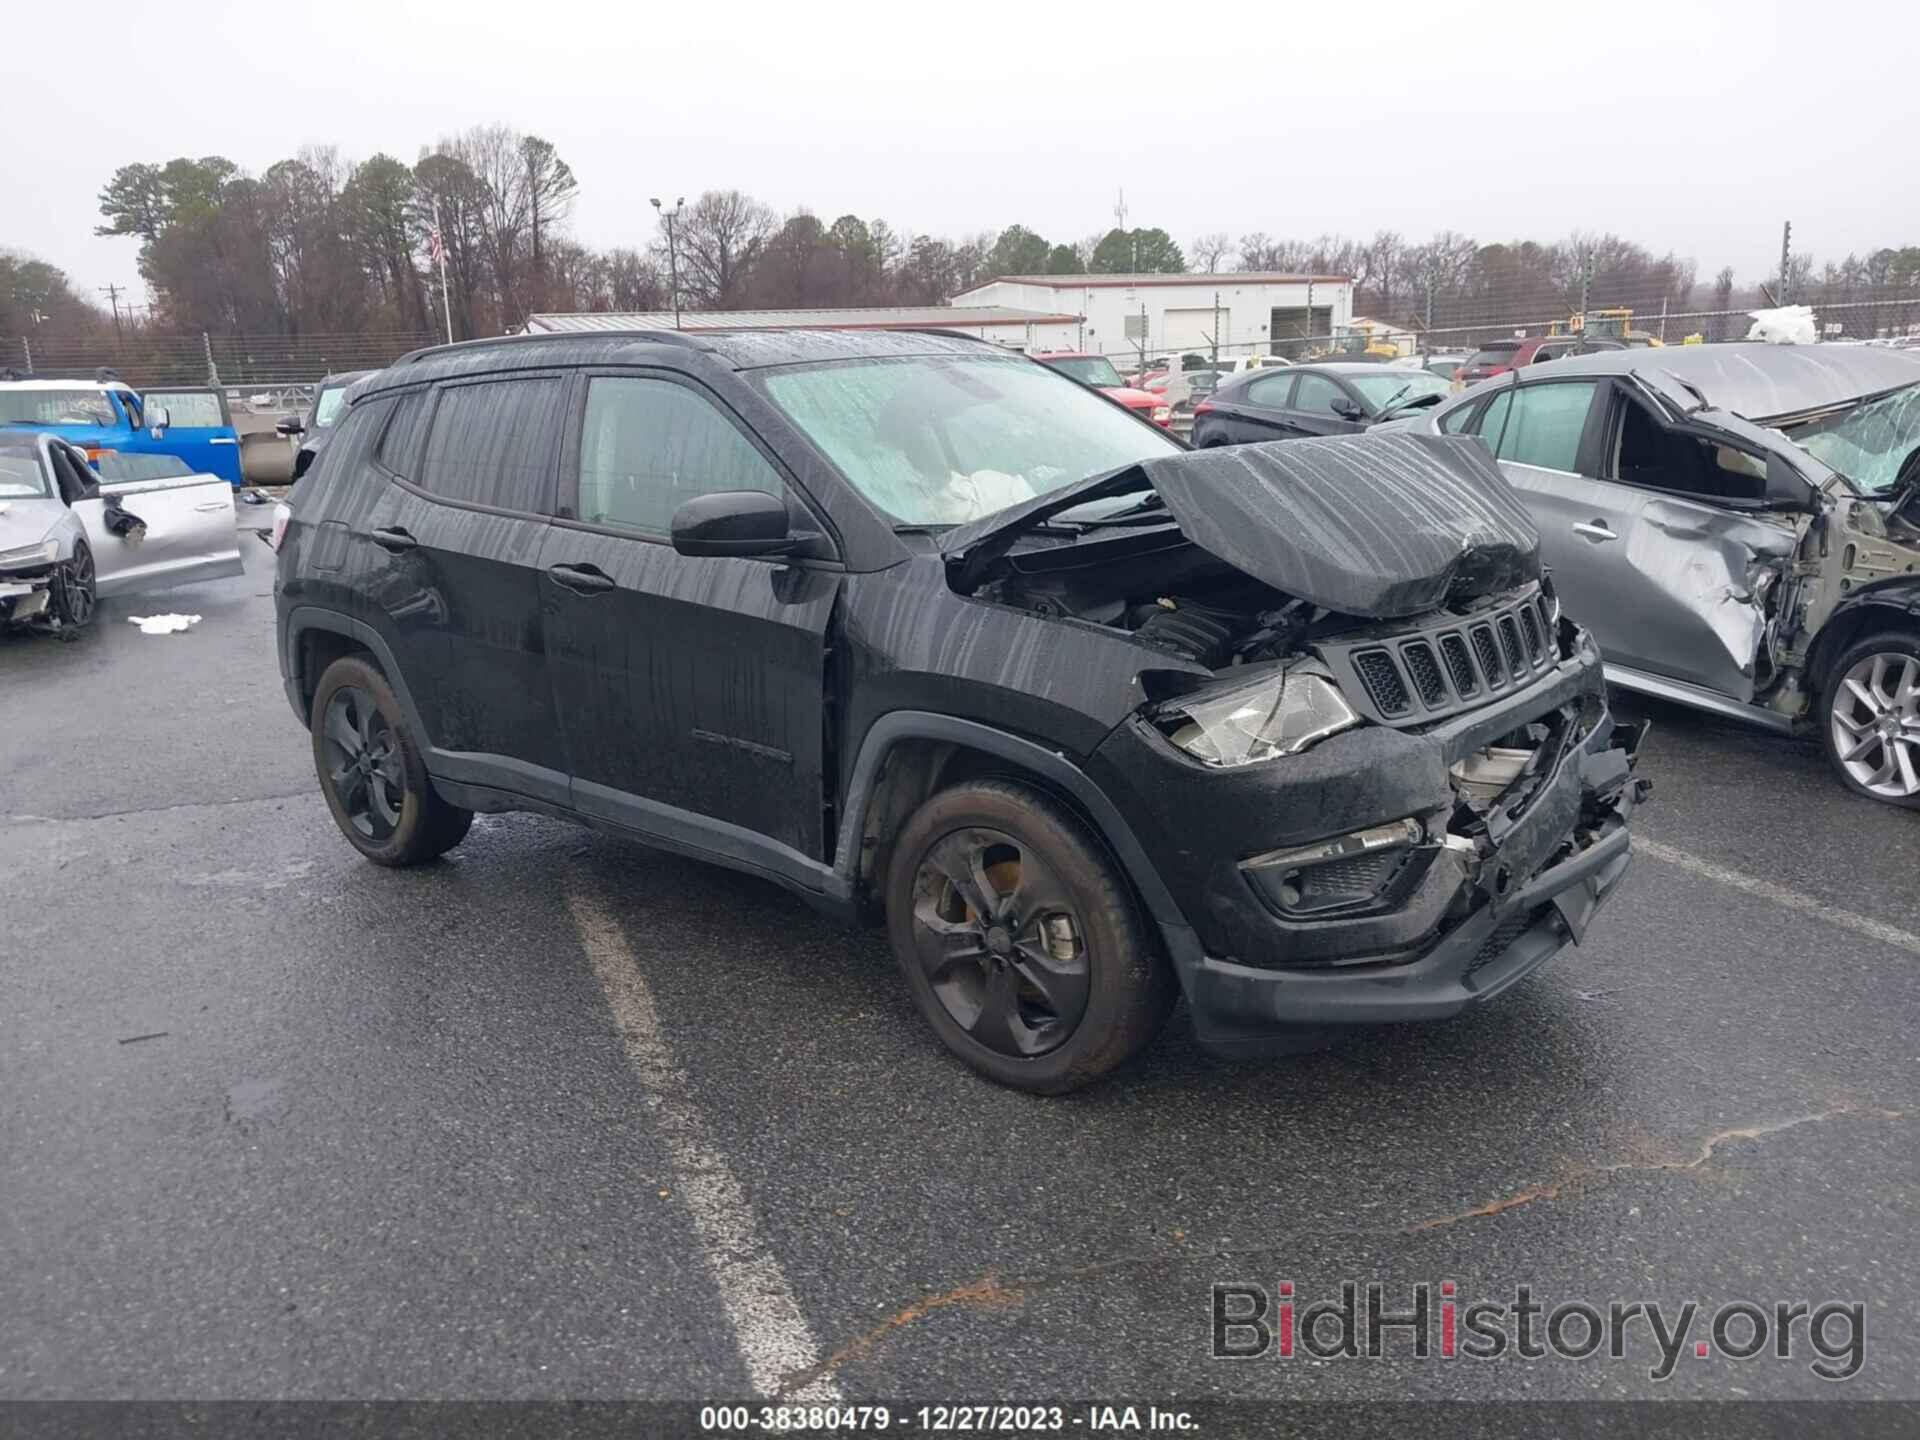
440	246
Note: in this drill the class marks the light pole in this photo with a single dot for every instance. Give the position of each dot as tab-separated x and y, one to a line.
673	255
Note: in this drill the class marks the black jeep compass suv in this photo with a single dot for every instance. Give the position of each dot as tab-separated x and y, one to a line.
932	635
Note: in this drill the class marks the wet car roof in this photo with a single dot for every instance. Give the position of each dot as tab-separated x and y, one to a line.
1760	381
739	349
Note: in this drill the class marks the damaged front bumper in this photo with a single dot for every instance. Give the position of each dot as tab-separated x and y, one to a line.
1465	918
25	597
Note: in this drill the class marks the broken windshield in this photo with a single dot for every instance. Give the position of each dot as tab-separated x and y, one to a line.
937	440
1872	443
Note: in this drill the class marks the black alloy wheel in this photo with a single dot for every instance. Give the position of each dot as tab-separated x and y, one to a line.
364	771
996	934
1020	939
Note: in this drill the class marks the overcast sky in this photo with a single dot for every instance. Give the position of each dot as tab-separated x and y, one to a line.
1686	126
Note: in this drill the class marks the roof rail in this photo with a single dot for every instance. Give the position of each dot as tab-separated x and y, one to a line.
656	337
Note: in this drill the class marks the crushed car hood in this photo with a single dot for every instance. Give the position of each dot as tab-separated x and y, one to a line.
1380	525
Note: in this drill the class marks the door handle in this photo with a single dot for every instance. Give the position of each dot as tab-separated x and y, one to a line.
396	540
210	506
1594	530
581	579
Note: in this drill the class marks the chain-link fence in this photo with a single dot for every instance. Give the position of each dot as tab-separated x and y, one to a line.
237	361
1887	319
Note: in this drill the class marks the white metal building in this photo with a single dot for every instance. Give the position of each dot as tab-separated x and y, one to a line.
1248	312
1015	328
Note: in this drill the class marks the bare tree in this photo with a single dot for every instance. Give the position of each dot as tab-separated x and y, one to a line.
719	238
1207	251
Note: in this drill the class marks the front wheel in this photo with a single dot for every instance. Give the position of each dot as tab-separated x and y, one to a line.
75	592
1021	944
1870	718
371	772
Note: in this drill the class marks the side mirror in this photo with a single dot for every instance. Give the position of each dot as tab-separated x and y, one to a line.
158	420
291	427
1347	409
733	522
1786	488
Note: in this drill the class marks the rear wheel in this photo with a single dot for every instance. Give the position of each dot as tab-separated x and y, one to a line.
371	772
1021	944
75	592
1870	718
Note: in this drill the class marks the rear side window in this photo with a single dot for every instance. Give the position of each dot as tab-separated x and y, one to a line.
401	442
649	446
1269	389
1540	425
493	443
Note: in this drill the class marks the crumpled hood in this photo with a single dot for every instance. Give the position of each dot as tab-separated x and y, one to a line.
1379	525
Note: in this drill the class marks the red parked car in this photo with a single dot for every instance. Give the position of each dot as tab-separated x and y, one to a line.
1098	371
1497	357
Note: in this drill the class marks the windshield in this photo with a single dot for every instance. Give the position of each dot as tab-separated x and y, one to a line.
1397	387
329	407
1869	444
21	478
1491	356
117	466
56	407
190	408
940	441
1094	370
1445	369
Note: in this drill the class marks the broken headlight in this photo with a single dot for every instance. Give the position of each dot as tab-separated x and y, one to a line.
1281	714
45	553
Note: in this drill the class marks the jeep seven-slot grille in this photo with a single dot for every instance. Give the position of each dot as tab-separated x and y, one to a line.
1384	685
1489	654
1425	671
1439	669
1459	666
1530	625
1510	642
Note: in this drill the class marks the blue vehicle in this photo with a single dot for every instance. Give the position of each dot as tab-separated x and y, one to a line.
188	421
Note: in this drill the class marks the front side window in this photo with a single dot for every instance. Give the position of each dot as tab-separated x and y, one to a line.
493	443
649	446
1539	425
941	440
35	406
401	440
120	466
188	408
1316	395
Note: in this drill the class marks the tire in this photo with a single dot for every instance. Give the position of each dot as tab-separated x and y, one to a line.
76	593
1870	728
385	805
971	967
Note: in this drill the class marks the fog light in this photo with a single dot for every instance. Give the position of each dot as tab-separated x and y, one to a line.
1353	872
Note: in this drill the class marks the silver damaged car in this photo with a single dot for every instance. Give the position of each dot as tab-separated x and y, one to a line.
70	535
1738	526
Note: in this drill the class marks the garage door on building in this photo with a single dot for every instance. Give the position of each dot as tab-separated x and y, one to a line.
1191	329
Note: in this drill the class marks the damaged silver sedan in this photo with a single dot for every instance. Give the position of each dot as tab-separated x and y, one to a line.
70	535
1737	525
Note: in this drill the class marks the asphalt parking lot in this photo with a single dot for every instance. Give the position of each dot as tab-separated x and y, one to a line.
562	1117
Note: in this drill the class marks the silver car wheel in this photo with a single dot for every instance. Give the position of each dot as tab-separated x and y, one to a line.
1876	724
